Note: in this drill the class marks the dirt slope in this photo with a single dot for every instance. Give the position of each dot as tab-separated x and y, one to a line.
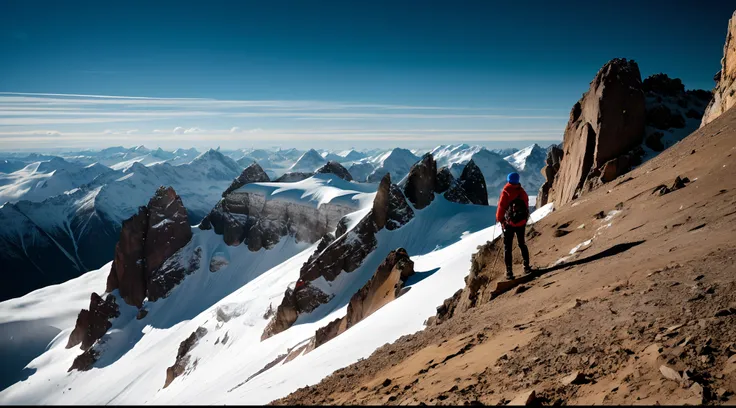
652	289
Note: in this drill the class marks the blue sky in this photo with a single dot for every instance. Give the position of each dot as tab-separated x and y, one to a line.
328	73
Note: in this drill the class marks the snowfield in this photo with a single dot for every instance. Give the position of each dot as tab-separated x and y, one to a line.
230	304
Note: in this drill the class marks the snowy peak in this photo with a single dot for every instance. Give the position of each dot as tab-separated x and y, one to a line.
308	162
520	159
215	165
396	162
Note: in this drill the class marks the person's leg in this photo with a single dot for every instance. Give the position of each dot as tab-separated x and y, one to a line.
520	232
508	242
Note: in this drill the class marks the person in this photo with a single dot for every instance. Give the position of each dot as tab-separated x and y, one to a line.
512	213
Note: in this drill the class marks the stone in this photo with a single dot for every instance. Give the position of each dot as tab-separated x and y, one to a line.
670	373
574	378
525	398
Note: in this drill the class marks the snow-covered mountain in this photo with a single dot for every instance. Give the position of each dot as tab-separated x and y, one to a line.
147	360
310	161
41	180
397	161
529	162
58	238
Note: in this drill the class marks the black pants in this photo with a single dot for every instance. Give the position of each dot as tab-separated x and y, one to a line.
508	245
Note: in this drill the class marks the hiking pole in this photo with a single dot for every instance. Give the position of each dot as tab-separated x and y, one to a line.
498	250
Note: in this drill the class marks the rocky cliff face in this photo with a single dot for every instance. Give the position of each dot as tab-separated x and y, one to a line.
92	324
249	218
147	239
420	183
724	93
619	121
605	123
474	184
385	286
346	253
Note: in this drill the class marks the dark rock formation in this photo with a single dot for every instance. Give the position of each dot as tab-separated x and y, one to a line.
663	85
724	93
608	121
293	177
420	183
550	170
92	324
443	180
346	253
385	286
337	169
147	239
474	184
252	174
182	356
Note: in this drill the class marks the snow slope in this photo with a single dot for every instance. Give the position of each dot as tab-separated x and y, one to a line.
231	303
41	180
310	161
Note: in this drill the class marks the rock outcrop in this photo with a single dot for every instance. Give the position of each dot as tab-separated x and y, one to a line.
485	268
420	183
346	253
252	174
337	169
474	184
724	93
249	217
147	239
92	324
608	121
385	286
182	355
550	170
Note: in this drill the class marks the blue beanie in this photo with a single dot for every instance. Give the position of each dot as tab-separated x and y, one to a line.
513	178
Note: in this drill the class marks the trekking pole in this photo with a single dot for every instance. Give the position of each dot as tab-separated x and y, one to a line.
498	250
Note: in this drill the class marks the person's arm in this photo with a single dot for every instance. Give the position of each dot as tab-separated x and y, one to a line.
525	197
503	203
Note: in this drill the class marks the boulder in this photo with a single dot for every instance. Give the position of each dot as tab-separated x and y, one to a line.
662	84
333	167
420	183
724	93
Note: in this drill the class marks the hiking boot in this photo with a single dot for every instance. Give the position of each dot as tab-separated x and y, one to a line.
527	269
509	275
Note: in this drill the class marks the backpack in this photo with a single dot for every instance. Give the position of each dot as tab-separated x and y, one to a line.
517	211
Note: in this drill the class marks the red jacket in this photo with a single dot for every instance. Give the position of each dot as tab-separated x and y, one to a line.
508	194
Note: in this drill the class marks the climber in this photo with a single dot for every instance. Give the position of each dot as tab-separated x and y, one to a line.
512	213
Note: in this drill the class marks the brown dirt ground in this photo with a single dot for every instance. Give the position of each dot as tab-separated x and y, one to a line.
615	320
